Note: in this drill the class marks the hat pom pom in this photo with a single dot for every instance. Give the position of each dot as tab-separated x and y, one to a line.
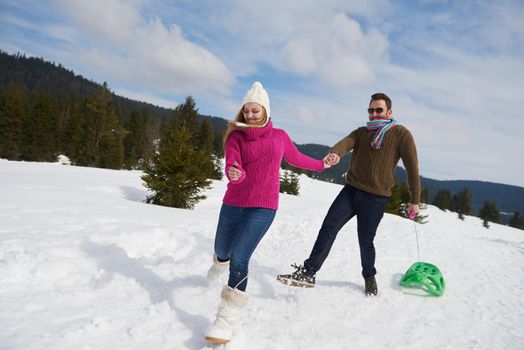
257	85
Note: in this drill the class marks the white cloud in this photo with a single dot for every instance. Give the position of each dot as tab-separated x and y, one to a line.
335	51
113	21
455	78
118	43
321	118
303	38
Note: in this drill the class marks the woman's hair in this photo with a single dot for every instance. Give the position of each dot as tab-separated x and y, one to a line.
240	118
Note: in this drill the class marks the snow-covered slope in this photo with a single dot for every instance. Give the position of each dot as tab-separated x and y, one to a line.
85	264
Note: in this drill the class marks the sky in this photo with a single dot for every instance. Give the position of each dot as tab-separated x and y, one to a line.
454	69
115	273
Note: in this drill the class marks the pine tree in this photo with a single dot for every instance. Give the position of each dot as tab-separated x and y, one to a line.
489	212
516	220
424	195
142	130
133	140
206	140
462	203
186	114
94	136
109	136
79	136
289	182
404	194
175	174
40	133
394	202
93	133
111	148
218	144
201	136
12	114
443	200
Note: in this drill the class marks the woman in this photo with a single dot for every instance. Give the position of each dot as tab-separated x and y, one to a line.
254	151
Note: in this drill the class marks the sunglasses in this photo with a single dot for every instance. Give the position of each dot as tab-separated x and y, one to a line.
378	110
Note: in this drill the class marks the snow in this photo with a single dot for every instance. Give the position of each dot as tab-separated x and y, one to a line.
86	264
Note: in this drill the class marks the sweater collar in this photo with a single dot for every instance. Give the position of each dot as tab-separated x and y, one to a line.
255	133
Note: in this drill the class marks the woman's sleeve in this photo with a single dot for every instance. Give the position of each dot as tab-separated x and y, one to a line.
233	155
293	156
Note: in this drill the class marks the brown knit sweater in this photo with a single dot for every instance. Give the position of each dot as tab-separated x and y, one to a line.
372	170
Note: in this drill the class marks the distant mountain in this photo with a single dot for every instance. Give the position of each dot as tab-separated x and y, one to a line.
508	198
36	74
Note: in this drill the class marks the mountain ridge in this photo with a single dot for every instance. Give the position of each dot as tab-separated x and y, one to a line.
37	74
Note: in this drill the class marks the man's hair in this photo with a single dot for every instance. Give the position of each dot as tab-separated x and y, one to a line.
381	96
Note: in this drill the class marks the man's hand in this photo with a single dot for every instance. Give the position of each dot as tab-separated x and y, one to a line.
330	160
413	210
233	173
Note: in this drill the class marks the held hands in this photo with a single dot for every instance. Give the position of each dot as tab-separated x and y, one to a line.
330	160
233	173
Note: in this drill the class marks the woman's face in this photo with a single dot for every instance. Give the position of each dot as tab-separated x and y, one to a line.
253	113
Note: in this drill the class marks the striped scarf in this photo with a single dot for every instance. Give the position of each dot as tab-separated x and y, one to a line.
382	126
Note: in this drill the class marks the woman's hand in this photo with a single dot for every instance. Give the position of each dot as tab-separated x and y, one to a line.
330	160
233	173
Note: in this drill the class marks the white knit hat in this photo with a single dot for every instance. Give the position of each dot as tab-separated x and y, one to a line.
257	94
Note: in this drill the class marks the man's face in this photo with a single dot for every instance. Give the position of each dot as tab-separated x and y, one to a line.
378	110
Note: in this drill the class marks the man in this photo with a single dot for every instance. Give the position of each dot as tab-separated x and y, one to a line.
377	148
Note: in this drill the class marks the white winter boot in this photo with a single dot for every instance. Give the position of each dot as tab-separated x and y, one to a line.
233	302
217	269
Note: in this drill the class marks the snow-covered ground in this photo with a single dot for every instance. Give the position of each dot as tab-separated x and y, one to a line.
85	264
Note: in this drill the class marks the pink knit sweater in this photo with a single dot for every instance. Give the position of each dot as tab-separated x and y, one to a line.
259	152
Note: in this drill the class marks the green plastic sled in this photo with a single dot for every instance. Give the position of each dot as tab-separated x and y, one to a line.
426	276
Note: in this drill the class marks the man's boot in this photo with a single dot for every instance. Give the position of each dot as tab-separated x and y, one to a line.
299	278
371	286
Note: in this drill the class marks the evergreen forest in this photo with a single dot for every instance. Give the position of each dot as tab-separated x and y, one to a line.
47	110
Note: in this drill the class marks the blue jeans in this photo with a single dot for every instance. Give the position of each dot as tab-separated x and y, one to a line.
368	208
238	233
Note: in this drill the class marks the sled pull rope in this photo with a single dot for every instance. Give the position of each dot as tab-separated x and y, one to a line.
416	236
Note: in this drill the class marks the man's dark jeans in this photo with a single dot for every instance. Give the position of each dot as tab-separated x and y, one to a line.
368	208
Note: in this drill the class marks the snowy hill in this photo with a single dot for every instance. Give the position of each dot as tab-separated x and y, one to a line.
85	264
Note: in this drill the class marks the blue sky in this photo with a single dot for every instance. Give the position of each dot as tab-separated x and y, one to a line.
454	69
